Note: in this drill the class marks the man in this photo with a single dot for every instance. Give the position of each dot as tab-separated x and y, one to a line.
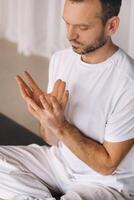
87	116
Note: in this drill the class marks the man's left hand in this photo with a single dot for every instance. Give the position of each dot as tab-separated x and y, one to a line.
51	117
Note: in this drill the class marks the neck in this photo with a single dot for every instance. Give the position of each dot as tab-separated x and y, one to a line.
101	54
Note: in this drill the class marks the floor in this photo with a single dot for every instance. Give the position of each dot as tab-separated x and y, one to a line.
11	63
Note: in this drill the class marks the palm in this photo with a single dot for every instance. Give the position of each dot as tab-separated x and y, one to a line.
33	90
35	96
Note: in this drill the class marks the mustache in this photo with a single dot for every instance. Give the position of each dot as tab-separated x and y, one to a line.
75	42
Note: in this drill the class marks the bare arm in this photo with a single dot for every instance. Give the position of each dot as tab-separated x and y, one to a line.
48	136
103	158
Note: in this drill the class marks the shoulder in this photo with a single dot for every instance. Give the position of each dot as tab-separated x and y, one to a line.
124	72
64	55
126	66
62	63
124	80
67	51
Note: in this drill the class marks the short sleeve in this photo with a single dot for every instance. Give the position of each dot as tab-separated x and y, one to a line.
120	123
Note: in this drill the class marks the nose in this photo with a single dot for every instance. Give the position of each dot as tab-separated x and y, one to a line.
72	33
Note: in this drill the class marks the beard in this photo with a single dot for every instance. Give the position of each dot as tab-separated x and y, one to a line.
86	49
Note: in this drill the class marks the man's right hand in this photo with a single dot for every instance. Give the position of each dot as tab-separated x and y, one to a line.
33	91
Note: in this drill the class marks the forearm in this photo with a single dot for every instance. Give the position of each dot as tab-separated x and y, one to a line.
48	136
89	151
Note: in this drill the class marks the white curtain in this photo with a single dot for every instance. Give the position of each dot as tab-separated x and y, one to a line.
37	25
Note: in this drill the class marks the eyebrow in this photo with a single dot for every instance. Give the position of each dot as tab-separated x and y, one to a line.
76	24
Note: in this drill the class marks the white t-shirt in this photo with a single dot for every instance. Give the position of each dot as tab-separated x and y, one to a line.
101	105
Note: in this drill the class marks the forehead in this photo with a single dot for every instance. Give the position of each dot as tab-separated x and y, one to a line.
81	12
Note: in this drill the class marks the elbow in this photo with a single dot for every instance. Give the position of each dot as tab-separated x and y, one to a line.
108	170
104	169
108	166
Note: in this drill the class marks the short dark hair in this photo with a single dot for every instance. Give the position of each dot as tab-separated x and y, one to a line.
110	8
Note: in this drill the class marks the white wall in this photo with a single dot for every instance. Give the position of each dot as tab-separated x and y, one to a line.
125	35
131	33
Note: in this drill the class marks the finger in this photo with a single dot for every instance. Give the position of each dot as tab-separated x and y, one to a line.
21	83
47	96
44	102
61	90
34	106
65	99
32	111
55	104
23	92
55	88
31	82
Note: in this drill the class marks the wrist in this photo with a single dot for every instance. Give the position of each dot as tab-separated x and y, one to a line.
63	129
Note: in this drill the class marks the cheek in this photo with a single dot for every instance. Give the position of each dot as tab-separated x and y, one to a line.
93	35
87	37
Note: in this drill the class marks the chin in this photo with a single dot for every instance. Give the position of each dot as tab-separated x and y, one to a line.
77	50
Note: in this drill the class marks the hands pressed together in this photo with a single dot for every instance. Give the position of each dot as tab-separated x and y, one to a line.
47	108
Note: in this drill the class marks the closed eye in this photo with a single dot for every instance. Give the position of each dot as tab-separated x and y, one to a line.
83	27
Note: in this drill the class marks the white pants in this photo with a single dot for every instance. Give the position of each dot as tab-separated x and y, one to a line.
34	173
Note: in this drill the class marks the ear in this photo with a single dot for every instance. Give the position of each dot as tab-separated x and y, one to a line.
112	25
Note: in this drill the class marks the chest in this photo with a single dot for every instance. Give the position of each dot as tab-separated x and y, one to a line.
90	97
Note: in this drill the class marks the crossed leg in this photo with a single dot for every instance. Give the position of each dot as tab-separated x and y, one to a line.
91	192
25	173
